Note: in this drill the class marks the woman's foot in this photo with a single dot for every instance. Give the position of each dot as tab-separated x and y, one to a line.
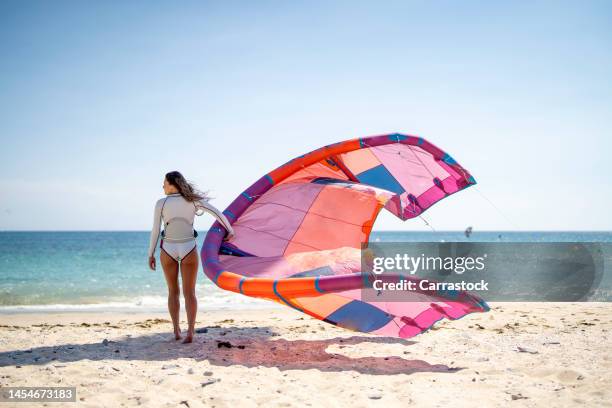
177	335
188	338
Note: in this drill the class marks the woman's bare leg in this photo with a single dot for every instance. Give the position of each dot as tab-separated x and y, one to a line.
189	275
171	268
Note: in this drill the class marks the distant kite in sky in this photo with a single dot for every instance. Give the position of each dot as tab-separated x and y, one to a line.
299	231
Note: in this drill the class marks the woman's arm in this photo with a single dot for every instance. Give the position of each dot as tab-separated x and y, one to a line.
206	206
156	227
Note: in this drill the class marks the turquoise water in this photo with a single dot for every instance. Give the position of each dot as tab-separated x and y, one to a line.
105	270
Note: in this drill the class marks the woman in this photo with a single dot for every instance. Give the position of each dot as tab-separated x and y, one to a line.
178	245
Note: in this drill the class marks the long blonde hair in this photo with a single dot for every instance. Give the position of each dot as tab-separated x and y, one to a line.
185	188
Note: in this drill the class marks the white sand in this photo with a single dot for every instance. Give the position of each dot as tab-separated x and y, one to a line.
285	358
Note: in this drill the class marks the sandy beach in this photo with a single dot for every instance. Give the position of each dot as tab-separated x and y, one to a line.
518	354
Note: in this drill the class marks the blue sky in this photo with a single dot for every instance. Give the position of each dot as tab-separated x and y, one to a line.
99	100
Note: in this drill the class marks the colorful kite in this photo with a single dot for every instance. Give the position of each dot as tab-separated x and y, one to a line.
299	231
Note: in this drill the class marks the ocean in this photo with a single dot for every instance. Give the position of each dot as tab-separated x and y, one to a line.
102	271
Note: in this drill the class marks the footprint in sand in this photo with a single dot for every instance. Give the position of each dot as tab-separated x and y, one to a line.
569	376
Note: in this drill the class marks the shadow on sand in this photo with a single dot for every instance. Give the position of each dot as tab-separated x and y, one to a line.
226	346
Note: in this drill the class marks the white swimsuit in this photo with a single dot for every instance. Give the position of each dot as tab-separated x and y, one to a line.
178	238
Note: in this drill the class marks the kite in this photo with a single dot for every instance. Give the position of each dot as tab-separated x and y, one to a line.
299	232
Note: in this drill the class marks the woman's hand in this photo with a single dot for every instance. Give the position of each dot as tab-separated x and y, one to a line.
230	235
152	263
